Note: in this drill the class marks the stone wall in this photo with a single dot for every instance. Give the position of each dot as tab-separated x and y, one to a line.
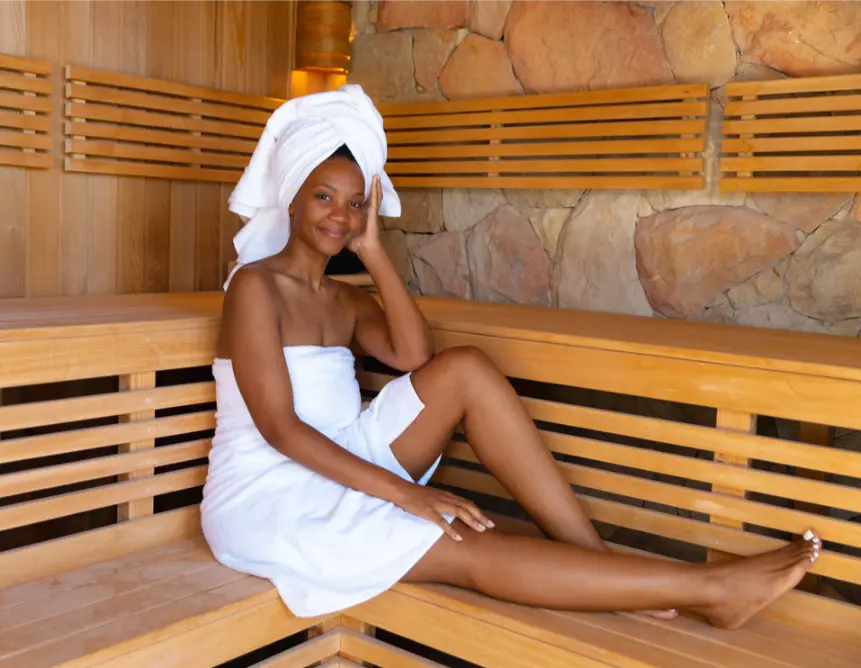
782	261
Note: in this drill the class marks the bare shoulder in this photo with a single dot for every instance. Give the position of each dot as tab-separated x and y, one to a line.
252	300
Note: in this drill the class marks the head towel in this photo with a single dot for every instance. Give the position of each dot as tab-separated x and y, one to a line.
300	135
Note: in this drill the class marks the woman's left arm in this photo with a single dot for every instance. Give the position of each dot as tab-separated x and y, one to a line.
397	333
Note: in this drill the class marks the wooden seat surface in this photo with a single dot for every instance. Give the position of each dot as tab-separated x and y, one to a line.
119	612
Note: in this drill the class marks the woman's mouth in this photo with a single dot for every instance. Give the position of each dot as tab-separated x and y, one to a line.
334	233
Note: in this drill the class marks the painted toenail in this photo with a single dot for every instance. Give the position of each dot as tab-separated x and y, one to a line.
808	535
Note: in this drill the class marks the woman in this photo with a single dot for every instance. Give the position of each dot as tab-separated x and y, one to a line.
329	500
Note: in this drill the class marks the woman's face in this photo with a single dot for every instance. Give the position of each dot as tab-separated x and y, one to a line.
327	210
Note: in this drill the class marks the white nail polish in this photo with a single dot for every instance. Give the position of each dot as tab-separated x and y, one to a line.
808	535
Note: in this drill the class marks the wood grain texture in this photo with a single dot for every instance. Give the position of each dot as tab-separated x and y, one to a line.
74	233
794	135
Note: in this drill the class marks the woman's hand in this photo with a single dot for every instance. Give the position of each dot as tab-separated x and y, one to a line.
432	504
369	236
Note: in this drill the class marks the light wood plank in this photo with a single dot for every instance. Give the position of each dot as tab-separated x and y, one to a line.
321	648
360	647
30	160
63	505
24	140
141	153
9	119
800	184
28	84
30	65
150	136
584	165
152	171
135	463
551	182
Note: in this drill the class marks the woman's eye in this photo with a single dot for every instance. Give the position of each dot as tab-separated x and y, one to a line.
322	196
357	205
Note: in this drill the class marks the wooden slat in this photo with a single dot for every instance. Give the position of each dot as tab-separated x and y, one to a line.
131	383
31	512
31	447
785	184
29	84
551	182
798	126
321	648
617	96
31	160
26	102
791	144
582	130
360	647
122	151
824	84
583	166
559	115
152	171
150	136
125	98
42	413
28	65
18	121
102	467
24	140
105	114
153	85
794	163
546	149
798	105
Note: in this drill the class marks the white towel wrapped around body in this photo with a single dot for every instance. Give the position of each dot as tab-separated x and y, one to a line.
325	547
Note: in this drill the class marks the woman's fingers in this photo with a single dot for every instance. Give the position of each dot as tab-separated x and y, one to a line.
474	511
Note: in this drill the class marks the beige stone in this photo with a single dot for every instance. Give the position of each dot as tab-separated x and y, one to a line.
850	328
464	208
565	46
804	211
479	67
421	211
364	16
686	257
698	42
543	199
487	17
799	38
660	8
440	264
763	288
394	14
756	72
663	200
823	279
507	261
431	50
778	316
548	225
719	311
595	268
383	65
395	243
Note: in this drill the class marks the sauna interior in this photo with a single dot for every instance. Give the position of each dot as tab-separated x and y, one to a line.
646	213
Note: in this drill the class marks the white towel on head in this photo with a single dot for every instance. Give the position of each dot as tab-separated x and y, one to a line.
300	135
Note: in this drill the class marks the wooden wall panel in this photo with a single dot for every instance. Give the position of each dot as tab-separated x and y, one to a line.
69	234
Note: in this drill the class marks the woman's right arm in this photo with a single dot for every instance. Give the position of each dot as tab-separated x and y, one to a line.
251	330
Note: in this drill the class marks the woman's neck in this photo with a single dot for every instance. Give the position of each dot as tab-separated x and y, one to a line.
303	263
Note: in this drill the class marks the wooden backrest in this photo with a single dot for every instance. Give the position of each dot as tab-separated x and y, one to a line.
650	137
138	126
26	108
106	413
655	424
793	135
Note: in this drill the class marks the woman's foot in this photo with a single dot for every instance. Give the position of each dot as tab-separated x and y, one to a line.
746	586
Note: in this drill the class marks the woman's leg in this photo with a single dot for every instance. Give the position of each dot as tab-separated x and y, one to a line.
463	385
544	573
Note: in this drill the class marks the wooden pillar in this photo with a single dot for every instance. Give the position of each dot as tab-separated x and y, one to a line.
736	421
138	507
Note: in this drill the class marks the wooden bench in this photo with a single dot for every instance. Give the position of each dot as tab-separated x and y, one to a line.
108	406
